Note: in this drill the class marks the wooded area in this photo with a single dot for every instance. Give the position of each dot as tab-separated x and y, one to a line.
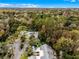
58	28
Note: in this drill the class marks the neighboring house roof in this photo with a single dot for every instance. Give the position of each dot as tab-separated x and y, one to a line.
33	33
45	52
29	33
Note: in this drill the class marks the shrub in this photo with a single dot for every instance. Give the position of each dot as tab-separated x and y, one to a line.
24	56
67	56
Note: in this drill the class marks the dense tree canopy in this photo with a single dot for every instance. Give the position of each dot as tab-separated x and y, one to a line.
57	27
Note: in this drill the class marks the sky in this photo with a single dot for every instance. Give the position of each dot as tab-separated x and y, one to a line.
40	3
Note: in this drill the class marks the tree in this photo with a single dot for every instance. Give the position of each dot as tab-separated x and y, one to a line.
64	44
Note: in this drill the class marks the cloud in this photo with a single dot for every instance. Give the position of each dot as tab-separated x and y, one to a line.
19	5
71	0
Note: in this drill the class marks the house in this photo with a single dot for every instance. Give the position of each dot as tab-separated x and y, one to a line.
35	34
43	52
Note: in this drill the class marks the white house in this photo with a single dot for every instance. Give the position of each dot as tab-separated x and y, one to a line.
35	34
44	52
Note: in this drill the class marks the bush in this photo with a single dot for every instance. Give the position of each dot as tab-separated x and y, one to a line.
24	56
67	56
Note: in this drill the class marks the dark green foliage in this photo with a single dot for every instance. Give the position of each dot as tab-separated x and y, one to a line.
14	24
67	56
